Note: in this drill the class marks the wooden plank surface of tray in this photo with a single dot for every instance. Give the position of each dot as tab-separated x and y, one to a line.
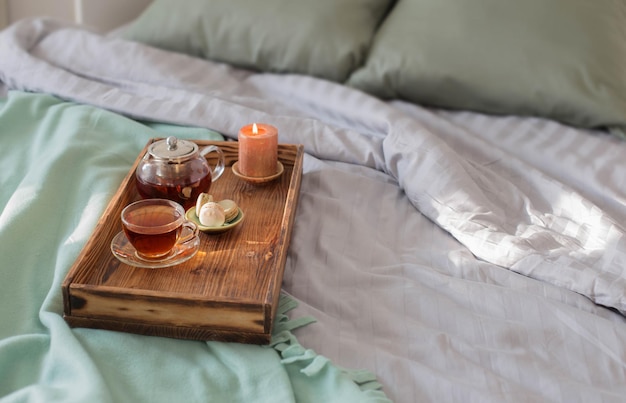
228	291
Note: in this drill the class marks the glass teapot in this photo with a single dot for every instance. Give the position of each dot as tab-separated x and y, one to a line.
177	170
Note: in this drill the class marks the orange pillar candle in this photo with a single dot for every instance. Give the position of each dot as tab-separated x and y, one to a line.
258	150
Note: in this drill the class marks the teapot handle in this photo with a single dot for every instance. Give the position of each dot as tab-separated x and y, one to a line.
218	170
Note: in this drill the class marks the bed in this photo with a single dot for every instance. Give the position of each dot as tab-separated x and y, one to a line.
459	234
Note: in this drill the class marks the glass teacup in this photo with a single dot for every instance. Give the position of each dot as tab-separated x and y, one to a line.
155	226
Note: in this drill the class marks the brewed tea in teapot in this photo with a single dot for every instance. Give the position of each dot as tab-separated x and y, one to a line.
177	170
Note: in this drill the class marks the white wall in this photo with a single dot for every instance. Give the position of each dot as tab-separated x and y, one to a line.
108	14
61	9
100	14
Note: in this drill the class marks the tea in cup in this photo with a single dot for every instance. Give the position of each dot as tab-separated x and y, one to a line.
155	226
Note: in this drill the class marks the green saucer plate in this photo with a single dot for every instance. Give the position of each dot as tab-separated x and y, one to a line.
192	216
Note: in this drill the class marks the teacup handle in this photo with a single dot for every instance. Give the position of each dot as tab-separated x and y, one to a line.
188	232
218	170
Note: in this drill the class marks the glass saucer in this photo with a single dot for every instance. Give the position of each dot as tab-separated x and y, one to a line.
126	253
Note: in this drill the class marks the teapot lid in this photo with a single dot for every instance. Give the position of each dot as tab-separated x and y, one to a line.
173	148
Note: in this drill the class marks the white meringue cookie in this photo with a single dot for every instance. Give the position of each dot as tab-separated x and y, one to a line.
212	215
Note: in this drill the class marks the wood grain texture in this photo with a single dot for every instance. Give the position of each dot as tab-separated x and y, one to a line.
230	287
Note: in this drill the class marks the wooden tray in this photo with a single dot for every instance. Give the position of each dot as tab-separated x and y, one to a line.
228	291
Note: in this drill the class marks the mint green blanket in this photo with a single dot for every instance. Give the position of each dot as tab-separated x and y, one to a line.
60	165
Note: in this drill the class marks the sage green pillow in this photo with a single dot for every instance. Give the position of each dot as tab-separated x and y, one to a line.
323	38
561	59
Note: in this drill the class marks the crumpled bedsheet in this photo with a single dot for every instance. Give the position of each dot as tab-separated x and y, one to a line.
434	256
